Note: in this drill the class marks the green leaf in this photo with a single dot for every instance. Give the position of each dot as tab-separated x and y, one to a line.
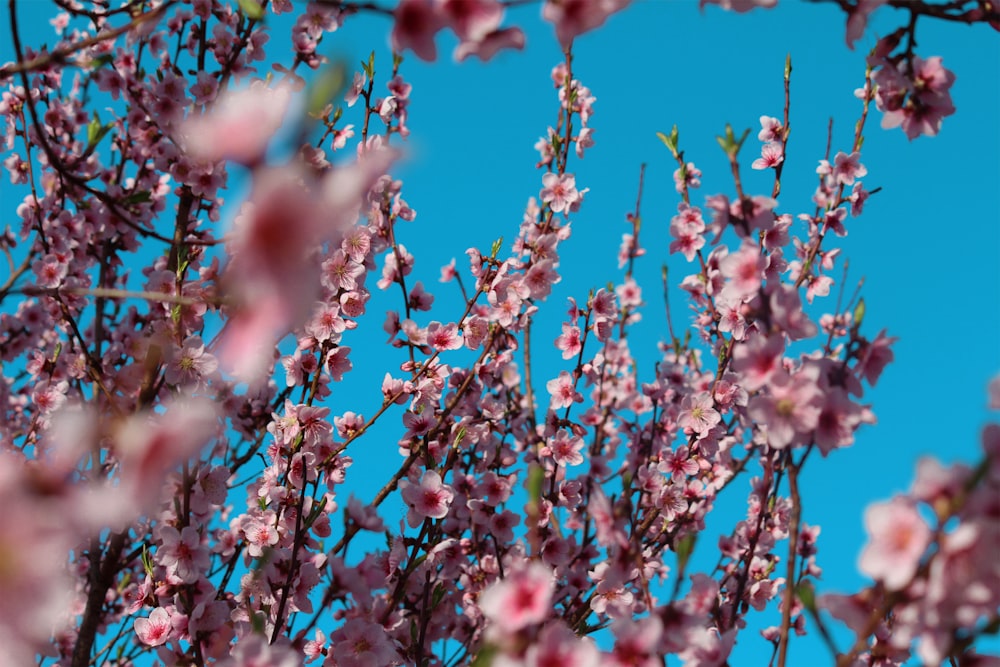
536	479
459	436
140	197
730	144
328	86
806	595
369	67
147	562
101	60
93	127
496	248
671	140
859	312
485	656
684	547
252	9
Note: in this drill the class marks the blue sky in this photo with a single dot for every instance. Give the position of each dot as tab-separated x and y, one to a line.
928	245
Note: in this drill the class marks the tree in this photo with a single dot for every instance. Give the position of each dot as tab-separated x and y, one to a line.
177	450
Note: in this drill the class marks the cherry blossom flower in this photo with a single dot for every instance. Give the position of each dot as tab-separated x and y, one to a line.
898	537
771	130
790	409
360	643
190	363
928	101
636	641
569	341
771	155
757	359
788	315
182	553
431	498
690	178
565	449
154	630
744	270
857	19
740	6
838	420
558	646
150	446
416	24
519	600
239	125
698	414
847	168
875	356
253	650
562	391
575	17
559	192
443	336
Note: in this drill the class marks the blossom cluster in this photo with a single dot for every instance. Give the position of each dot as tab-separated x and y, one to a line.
175	452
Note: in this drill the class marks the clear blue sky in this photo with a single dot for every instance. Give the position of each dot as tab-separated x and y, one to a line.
928	245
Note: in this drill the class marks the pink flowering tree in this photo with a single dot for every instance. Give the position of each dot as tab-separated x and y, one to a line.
201	222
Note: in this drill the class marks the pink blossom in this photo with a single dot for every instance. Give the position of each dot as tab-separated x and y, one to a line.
848	167
690	178
584	140
744	270
857	19
636	642
929	96
565	449
558	646
562	391
559	192
857	198
838	420
875	356
361	643
679	465
190	363
416	24
340	272
239	125
569	341
771	155
771	130
519	600
698	414
540	278
491	43
575	17
791	407
788	315
182	553
260	533
757	359
431	498
253	650
740	6
898	537
151	445
156	629
994	393
472	19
